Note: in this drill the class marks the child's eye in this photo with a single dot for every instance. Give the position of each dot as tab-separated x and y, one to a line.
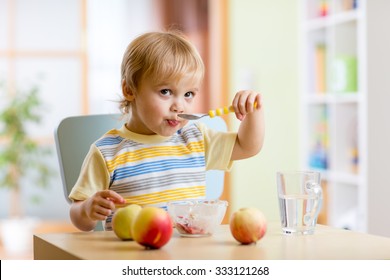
189	94
165	92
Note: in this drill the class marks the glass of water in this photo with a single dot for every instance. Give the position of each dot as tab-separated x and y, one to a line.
300	200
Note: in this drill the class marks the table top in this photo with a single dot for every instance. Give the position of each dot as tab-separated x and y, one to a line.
326	243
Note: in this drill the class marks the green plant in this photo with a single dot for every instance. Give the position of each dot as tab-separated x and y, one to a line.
20	155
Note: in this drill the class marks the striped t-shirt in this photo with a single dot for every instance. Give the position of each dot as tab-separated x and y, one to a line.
152	169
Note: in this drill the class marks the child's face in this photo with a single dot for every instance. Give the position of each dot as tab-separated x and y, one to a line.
155	107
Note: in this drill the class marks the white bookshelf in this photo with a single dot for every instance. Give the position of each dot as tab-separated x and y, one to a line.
345	93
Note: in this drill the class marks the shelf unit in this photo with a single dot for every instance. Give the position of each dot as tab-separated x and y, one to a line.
345	134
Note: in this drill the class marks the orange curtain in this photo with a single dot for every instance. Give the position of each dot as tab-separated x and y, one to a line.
190	17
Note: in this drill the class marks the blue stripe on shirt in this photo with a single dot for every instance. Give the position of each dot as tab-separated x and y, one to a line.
158	166
107	141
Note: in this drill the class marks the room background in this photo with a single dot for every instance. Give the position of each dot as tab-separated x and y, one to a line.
69	48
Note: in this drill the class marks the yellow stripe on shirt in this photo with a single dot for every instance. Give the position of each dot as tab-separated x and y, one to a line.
145	153
167	195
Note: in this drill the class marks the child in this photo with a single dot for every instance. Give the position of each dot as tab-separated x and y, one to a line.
155	157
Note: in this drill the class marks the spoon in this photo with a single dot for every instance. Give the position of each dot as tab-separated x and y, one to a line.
211	113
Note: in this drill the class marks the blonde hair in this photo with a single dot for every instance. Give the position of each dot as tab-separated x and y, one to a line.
160	56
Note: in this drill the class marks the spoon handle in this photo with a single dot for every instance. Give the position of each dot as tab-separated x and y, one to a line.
224	110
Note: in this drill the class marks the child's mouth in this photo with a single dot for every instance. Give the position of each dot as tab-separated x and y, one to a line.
173	122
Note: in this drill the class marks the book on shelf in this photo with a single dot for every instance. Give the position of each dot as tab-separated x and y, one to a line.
354	159
326	7
318	156
347	5
323	8
343	72
320	68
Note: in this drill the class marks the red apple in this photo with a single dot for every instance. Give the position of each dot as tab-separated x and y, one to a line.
152	228
123	219
248	225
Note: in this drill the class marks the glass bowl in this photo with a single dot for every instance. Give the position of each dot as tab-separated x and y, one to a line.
197	218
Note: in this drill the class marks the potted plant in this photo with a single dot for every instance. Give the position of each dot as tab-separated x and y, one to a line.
20	155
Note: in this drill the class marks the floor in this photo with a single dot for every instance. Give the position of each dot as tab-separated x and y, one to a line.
42	227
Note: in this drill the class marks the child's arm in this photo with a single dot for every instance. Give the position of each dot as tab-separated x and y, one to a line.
86	213
250	136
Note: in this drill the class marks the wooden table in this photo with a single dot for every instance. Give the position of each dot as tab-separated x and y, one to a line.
327	243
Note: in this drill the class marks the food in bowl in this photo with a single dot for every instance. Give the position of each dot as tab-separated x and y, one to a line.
196	218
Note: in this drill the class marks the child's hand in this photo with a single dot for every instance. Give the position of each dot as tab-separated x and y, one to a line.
101	204
248	106
244	103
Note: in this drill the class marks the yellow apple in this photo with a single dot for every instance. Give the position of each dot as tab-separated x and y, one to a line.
123	219
153	227
248	225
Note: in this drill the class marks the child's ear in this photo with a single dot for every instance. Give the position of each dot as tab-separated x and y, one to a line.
127	92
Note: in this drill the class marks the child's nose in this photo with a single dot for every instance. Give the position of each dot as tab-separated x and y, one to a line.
177	107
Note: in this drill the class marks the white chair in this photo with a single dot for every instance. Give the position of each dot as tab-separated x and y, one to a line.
74	136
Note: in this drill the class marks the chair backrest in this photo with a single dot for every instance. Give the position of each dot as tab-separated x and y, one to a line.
74	136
